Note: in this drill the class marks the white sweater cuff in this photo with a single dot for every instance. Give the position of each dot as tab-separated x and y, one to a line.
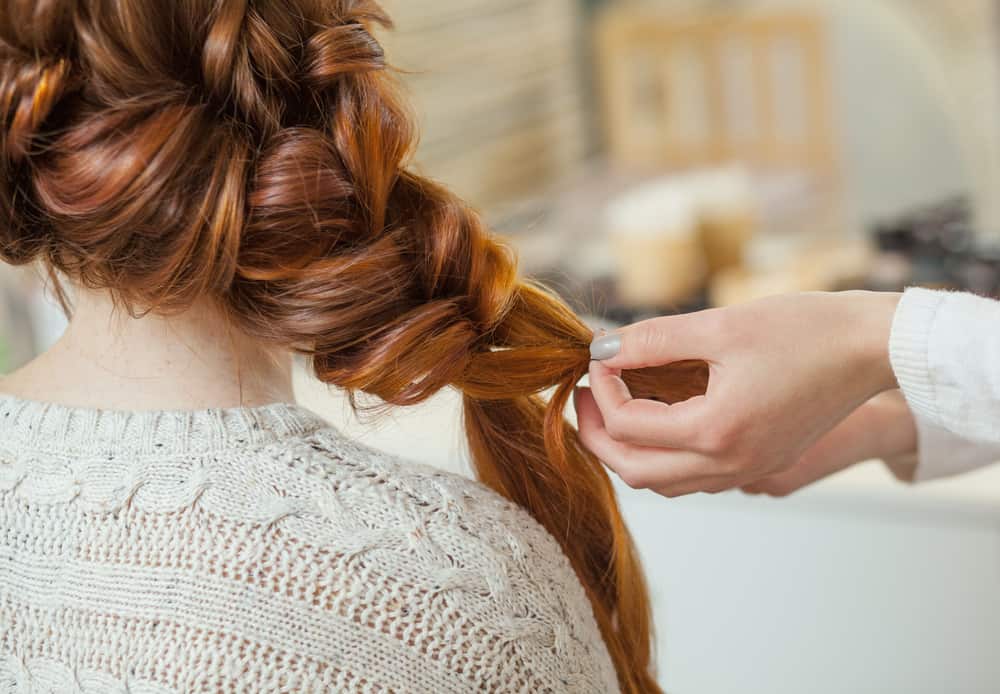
944	351
908	349
940	453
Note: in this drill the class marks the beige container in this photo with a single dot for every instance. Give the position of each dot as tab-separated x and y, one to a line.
653	232
727	214
787	264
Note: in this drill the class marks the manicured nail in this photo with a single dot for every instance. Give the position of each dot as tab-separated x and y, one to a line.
606	347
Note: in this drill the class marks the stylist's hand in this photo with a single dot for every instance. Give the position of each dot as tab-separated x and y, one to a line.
882	428
784	372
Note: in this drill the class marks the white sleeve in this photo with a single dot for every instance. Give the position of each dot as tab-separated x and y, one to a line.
945	352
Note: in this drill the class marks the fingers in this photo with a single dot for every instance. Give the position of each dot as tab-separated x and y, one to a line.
671	473
696	485
659	341
645	422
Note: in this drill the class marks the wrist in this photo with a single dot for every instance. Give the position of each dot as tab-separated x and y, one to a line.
871	320
894	426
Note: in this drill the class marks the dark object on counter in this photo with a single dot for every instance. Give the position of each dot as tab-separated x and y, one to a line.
931	246
979	272
944	227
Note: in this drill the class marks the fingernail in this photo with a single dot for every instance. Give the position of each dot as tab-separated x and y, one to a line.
606	347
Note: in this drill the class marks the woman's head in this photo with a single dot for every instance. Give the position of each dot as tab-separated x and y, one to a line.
254	153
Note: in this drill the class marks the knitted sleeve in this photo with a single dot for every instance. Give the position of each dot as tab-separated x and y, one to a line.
945	351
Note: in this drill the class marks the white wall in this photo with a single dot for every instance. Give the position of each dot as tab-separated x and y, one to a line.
901	144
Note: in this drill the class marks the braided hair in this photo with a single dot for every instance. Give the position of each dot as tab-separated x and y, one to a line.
255	152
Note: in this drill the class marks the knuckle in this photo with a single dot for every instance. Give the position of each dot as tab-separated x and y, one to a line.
785	486
632	476
718	438
772	487
714	322
616	426
645	341
717	487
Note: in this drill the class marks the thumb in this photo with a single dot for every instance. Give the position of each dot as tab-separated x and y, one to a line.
655	342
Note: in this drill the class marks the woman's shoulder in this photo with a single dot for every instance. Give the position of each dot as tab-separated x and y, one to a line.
452	561
363	499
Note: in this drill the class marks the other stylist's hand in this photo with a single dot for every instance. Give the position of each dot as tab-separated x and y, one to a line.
882	428
784	372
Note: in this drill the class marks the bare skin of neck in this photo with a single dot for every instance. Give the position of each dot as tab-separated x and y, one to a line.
191	361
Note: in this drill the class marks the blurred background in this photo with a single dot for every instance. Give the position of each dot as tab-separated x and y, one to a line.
667	155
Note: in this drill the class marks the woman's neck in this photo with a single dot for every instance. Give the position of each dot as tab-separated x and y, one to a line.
109	360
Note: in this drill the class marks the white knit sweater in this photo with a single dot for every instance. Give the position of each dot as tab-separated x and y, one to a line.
258	550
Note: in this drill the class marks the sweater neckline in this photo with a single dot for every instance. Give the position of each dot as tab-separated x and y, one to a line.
31	427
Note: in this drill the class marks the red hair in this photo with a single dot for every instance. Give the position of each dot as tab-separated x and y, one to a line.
255	152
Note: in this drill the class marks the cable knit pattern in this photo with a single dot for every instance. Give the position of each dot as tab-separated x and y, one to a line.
259	550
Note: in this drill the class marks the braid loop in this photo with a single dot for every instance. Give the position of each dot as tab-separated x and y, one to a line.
27	97
342	50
